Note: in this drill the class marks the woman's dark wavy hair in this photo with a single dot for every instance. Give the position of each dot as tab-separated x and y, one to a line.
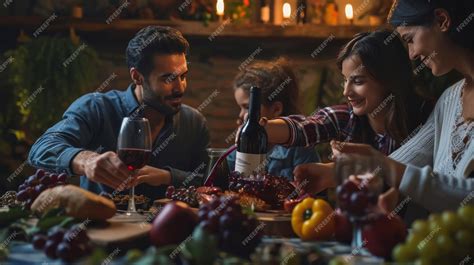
385	58
421	13
276	80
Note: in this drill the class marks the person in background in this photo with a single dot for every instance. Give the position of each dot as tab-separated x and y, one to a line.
279	90
84	142
435	168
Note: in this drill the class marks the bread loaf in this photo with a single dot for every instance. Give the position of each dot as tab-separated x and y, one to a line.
77	202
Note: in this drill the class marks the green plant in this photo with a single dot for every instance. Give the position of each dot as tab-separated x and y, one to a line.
35	89
40	83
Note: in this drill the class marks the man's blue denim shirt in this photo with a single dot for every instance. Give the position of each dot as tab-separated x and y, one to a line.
93	122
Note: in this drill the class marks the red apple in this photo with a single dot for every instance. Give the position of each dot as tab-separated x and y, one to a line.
173	224
343	227
382	234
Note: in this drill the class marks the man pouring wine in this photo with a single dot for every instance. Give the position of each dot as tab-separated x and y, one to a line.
156	58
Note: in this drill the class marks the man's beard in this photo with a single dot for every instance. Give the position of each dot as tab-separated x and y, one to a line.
152	100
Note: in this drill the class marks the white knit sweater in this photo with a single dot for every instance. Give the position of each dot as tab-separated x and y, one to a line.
433	178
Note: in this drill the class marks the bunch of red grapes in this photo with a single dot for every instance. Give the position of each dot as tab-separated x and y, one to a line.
355	199
66	244
37	183
237	232
188	195
273	190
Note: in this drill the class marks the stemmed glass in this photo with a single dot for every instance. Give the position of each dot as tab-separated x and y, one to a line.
134	149
361	180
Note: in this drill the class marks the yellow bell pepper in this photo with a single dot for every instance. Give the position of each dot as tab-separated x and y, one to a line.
313	219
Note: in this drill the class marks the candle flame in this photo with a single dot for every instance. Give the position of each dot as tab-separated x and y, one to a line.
220	7
286	10
349	11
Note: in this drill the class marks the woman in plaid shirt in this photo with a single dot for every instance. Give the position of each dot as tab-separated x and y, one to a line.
382	108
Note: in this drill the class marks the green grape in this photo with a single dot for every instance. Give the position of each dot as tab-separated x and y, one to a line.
445	243
404	253
428	249
435	222
413	240
464	238
451	221
466	213
421	227
423	261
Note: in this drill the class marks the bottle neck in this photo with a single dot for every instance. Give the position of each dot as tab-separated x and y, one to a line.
254	106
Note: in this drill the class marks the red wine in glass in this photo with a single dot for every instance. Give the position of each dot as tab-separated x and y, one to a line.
134	158
134	148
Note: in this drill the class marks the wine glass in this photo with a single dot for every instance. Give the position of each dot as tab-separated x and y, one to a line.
134	149
361	179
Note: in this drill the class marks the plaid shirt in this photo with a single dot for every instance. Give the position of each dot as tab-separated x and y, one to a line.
336	122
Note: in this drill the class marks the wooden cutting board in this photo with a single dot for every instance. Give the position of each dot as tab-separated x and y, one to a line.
122	235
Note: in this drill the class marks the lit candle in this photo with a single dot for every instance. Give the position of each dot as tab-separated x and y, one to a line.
265	14
349	13
286	10
220	9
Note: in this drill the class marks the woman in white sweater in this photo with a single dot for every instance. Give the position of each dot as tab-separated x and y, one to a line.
435	168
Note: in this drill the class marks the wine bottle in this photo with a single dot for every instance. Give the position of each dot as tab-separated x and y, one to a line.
252	142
